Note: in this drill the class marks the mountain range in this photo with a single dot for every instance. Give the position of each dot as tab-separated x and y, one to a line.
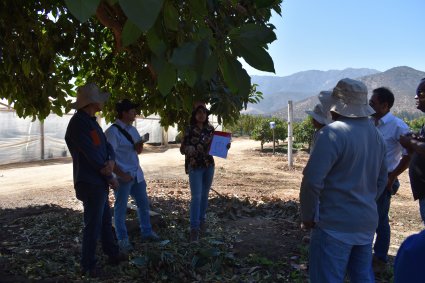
303	87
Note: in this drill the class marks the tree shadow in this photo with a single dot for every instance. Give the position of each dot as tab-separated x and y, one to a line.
248	238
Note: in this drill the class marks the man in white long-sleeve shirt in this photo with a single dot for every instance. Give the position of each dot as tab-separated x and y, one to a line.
344	176
398	160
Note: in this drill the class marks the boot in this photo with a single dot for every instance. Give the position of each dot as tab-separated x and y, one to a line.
194	235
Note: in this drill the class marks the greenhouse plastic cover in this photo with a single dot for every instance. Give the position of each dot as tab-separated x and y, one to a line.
20	139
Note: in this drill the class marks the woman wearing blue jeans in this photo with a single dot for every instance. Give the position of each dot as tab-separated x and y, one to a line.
199	165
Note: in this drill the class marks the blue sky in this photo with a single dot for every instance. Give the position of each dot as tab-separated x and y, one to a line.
337	34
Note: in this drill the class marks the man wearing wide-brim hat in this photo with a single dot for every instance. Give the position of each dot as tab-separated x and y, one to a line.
93	163
347	172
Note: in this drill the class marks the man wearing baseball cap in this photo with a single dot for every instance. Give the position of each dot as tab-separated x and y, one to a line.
126	142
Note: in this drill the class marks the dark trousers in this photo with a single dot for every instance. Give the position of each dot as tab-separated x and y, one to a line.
383	231
97	222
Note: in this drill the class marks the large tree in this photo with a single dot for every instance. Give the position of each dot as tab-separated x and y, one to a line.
163	54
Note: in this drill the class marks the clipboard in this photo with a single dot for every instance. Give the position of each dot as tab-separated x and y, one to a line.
219	144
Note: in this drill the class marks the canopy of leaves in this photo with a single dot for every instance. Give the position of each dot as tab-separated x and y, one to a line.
163	54
304	131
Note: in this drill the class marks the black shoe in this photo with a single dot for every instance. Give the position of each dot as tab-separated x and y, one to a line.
117	259
194	235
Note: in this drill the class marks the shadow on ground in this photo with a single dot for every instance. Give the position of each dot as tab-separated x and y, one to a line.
248	240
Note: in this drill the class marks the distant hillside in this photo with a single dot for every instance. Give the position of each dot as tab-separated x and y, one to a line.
278	90
401	80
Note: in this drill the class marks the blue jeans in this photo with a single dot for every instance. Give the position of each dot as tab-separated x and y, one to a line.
330	259
383	231
200	180
139	194
422	209
97	222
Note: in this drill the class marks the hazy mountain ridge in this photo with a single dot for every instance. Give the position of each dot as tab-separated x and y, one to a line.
401	80
278	90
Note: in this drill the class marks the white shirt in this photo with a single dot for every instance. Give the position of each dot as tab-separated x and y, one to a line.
125	155
391	129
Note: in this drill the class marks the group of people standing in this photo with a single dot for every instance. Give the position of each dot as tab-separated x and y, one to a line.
110	160
350	177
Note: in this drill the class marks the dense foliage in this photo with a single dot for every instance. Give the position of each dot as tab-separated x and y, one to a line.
416	124
263	133
164	54
303	132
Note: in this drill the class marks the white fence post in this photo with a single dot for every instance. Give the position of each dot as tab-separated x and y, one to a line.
290	119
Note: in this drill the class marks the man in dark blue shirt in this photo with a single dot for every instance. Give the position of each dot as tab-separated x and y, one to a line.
93	163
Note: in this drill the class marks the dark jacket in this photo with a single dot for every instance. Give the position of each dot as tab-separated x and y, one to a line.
89	149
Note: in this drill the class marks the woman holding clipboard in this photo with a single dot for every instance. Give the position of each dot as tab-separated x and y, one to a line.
199	165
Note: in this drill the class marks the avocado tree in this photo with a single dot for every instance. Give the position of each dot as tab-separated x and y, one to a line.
163	54
304	132
263	133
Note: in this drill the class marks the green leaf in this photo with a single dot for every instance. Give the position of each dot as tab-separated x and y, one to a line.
255	33
143	13
166	79
82	9
190	77
155	43
264	3
184	55
198	8
171	16
210	67
130	33
235	76
254	55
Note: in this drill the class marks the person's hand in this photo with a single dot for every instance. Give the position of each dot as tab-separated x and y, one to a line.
390	183
138	147
307	225
405	140
126	177
113	183
108	169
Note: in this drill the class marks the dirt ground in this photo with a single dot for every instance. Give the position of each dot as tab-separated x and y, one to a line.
246	173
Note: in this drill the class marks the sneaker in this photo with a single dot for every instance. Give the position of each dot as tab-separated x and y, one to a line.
152	237
117	259
194	235
125	246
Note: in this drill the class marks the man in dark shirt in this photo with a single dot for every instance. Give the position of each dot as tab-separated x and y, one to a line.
415	144
93	163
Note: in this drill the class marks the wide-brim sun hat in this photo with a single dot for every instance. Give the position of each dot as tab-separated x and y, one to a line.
326	100
349	99
319	114
89	93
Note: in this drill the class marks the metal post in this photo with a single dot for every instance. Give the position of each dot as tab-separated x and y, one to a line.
273	141
42	139
290	119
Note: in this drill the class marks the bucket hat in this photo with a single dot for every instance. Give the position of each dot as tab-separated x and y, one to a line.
349	99
87	94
